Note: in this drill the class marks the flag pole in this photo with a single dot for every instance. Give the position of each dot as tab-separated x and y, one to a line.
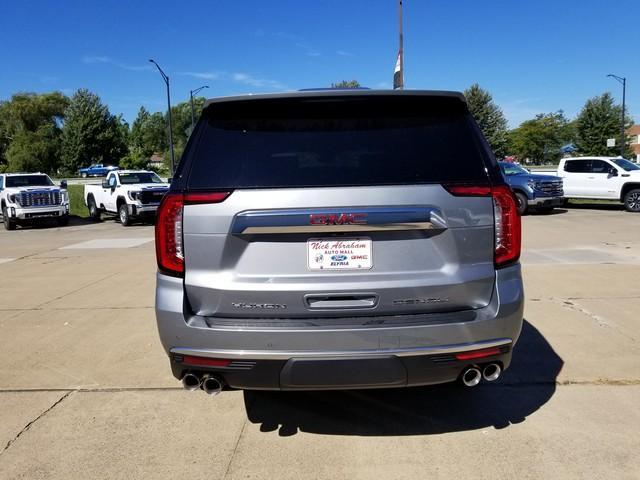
401	49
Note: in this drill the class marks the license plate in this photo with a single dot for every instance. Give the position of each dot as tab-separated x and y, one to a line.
343	254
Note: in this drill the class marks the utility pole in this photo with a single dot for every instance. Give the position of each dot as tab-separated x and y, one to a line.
166	81
623	142
193	114
401	45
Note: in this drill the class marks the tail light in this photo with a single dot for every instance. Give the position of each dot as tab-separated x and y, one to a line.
169	242
507	230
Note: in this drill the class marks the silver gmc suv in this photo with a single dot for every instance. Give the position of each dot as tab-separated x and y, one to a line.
336	240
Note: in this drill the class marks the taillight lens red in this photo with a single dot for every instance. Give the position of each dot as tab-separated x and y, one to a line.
169	242
169	252
507	230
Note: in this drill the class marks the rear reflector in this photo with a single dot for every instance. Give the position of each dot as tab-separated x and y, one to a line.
485	352
169	241
205	362
507	228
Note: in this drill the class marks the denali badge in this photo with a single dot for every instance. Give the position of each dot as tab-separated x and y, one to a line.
338	219
419	301
264	306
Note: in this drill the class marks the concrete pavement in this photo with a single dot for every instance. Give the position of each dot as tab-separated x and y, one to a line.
86	392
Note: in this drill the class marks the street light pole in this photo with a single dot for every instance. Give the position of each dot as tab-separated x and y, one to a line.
623	81
193	115
166	81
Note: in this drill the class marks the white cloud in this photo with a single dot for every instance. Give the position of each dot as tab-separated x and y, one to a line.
343	53
201	75
247	79
93	59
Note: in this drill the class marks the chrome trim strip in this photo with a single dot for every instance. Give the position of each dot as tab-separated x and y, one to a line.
338	228
370	219
285	355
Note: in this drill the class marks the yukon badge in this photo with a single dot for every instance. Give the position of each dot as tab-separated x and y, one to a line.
338	219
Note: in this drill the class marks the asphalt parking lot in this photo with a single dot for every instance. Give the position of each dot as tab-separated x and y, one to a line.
86	391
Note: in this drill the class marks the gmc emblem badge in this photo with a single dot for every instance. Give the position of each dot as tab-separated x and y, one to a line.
338	219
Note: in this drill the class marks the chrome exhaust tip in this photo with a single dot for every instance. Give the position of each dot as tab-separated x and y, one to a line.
471	377
191	382
491	372
211	385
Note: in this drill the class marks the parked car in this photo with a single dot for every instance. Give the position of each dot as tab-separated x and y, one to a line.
338	240
28	198
543	192
129	194
602	178
96	170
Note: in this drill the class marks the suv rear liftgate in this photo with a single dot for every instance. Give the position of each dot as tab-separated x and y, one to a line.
338	240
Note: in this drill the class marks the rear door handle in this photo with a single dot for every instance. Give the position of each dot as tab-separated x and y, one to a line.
341	301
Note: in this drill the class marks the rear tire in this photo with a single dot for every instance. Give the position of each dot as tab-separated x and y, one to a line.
632	200
83	174
94	211
522	203
123	215
9	224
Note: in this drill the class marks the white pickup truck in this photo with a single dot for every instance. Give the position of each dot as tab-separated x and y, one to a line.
129	194
601	178
32	197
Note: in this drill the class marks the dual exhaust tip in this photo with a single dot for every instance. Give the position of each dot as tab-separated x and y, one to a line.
210	384
471	376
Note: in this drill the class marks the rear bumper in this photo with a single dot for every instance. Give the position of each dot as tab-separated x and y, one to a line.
333	358
341	372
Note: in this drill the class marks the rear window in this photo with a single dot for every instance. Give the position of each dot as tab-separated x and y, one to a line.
313	142
139	177
577	166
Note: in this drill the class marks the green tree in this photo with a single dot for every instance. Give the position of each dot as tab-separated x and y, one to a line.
30	130
489	117
598	121
346	84
539	140
148	133
91	133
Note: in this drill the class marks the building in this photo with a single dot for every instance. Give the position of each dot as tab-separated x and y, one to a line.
156	161
634	140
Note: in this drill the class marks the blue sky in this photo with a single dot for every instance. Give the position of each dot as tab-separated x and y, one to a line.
533	57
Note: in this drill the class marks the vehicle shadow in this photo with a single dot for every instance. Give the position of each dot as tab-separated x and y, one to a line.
596	206
525	387
555	211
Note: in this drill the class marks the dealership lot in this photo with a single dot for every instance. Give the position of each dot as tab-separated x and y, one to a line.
86	391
